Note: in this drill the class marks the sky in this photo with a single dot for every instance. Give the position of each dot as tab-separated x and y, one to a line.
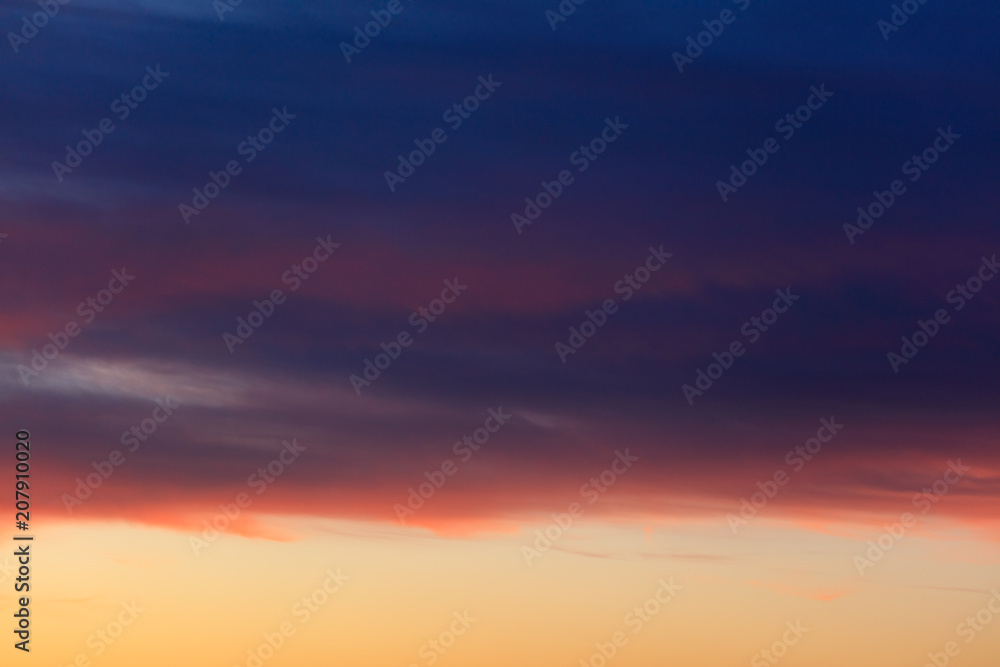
531	313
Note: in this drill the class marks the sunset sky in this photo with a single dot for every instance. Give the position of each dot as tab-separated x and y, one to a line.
512	332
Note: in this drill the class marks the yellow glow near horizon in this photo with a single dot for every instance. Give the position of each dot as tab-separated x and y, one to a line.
404	588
